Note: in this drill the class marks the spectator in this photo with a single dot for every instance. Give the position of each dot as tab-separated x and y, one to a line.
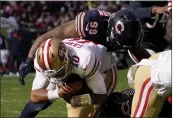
6	26
4	55
16	51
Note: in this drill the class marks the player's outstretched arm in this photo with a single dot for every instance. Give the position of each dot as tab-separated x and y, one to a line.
61	32
66	30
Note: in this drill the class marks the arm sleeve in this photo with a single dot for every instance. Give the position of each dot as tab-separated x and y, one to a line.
79	24
40	81
142	12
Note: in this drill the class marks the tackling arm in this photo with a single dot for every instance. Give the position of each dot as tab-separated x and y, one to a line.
61	32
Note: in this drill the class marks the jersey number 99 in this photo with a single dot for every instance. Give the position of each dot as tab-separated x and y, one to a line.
93	28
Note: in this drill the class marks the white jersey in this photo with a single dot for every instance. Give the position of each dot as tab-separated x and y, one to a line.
89	61
90	54
160	73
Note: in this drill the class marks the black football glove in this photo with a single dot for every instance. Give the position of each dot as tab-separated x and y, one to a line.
24	69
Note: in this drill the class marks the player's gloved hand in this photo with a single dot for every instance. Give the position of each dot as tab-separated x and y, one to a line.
24	69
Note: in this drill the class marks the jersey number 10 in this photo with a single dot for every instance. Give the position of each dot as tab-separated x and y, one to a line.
74	60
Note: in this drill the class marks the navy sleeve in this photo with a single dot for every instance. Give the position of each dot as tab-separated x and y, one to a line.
142	12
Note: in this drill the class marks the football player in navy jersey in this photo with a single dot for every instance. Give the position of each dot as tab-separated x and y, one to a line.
153	16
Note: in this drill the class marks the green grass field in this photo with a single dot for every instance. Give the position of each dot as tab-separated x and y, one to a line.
14	96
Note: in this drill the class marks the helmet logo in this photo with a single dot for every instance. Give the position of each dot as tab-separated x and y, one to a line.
119	27
61	51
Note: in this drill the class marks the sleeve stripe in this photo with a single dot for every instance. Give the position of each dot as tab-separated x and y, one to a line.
101	14
104	13
96	65
36	69
82	24
78	24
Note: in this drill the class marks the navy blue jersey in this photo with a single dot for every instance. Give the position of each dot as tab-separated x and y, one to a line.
92	25
153	24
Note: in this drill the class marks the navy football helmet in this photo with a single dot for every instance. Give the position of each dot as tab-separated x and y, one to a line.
124	30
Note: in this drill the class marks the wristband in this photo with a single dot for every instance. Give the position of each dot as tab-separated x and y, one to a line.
52	94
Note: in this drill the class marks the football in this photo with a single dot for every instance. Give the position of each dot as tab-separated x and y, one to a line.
74	78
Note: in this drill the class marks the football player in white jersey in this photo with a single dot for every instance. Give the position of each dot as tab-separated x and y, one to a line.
153	87
56	61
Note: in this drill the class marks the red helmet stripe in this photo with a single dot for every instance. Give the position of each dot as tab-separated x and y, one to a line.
43	62
46	54
48	57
